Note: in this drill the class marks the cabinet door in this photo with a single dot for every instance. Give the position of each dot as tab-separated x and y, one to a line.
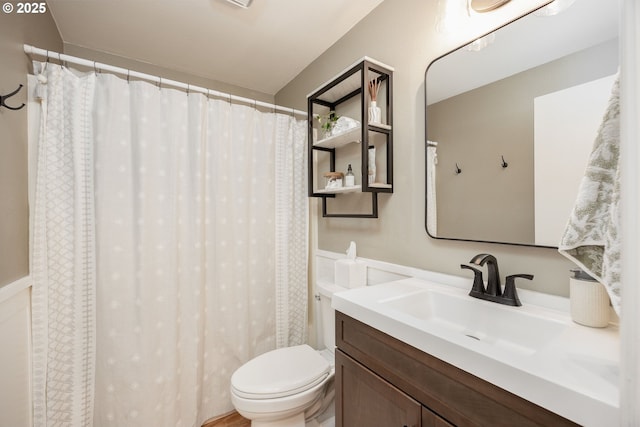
365	399
430	419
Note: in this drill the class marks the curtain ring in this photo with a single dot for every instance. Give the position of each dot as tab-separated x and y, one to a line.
60	60
188	87
95	68
208	94
128	76
47	56
229	99
159	83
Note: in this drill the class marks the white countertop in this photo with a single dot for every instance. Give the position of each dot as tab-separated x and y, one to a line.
574	374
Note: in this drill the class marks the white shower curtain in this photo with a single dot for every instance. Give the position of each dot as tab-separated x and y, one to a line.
63	255
201	236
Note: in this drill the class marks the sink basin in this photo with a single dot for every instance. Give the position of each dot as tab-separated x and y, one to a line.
454	312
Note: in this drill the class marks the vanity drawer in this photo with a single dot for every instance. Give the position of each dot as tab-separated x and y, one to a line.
455	395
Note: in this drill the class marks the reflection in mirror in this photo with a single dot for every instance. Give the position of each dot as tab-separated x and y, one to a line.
533	98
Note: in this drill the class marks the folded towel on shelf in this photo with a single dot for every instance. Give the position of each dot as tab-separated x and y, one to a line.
344	124
591	238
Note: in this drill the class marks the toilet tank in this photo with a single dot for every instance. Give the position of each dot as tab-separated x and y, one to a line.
327	314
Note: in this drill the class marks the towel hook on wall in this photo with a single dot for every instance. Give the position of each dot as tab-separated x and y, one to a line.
504	164
458	170
3	99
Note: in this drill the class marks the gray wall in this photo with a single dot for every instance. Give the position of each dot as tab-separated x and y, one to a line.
402	33
486	202
15	31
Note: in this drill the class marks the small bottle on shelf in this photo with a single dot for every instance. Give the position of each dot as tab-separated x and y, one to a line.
350	178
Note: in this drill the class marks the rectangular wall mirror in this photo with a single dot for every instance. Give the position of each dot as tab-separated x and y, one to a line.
510	126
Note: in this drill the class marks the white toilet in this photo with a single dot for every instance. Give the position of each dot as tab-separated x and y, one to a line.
285	387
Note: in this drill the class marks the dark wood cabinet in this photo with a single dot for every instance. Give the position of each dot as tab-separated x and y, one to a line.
431	419
376	374
365	399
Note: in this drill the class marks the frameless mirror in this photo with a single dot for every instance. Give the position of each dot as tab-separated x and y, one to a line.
510	126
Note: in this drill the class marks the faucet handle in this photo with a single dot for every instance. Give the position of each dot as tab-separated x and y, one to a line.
478	283
510	294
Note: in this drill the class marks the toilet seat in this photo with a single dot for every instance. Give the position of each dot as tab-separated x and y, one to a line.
280	373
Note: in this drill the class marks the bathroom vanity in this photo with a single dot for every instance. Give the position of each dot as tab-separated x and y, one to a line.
416	352
381	381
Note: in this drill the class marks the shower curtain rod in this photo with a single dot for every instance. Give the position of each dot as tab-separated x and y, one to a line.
34	51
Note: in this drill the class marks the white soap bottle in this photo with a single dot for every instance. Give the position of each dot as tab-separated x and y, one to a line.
350	178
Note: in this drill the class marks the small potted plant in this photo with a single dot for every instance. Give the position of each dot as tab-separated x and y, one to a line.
327	122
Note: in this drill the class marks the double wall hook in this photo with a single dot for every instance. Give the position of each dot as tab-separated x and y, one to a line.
3	99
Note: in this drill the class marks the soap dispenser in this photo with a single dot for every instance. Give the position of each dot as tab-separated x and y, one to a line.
350	178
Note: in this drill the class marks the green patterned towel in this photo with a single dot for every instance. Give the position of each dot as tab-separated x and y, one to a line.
591	238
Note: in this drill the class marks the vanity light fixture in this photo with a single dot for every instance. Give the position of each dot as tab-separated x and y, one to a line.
452	15
242	3
554	8
482	6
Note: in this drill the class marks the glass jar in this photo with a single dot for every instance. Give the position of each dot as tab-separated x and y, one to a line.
333	180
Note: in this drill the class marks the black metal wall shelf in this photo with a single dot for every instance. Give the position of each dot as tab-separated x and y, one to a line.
347	94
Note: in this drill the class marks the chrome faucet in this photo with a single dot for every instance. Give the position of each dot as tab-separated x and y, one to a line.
493	291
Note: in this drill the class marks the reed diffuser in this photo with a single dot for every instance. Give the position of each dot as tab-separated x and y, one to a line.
375	115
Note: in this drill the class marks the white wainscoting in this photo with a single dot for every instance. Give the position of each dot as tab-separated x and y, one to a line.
15	354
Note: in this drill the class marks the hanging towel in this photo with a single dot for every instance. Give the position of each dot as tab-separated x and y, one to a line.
591	239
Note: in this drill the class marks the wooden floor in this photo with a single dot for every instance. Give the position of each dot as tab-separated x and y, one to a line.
232	420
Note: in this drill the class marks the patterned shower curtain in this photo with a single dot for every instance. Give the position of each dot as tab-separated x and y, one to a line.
63	255
200	248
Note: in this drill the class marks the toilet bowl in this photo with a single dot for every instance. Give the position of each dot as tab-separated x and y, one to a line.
289	386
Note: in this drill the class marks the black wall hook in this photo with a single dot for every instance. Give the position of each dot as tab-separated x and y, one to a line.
504	164
3	98
458	170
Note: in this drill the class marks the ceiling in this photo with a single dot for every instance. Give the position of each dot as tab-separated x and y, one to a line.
261	48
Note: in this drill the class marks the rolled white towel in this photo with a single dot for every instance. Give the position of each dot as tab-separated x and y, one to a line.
343	124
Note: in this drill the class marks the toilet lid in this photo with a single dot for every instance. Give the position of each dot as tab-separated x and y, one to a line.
280	373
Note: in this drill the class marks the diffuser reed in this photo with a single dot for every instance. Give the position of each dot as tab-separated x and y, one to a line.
374	87
375	115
